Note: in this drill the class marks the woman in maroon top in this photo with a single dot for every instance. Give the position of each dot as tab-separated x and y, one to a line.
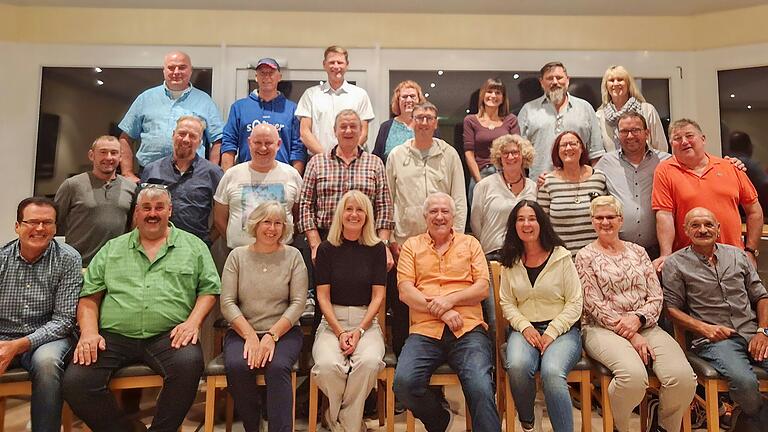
492	120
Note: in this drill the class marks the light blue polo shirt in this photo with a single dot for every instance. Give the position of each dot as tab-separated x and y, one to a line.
152	119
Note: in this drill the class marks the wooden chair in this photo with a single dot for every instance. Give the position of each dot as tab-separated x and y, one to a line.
712	381
384	393
654	385
16	382
216	379
580	374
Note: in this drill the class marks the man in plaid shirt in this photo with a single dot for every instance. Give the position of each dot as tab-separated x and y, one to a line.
39	283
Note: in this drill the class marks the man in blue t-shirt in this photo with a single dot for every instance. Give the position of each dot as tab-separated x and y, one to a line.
267	106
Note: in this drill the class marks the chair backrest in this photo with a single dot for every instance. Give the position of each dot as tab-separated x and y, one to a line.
501	322
382	316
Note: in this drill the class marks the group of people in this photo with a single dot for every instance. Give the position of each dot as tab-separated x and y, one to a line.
582	209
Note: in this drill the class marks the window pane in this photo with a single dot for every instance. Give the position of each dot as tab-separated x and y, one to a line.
77	105
743	129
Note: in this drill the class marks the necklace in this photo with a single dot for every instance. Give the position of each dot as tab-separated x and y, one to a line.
511	184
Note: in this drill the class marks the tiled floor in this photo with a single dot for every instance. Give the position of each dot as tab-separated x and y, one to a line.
17	417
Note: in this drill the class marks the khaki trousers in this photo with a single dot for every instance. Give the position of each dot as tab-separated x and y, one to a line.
347	381
630	378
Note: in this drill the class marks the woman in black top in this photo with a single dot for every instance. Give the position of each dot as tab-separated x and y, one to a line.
351	273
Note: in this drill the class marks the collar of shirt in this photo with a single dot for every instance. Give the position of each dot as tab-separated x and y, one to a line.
333	154
181	96
191	166
273	100
543	100
717	254
711	162
17	252
432	241
326	88
648	153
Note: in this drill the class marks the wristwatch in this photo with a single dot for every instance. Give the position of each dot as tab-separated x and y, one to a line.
754	252
642	319
762	330
362	331
275	337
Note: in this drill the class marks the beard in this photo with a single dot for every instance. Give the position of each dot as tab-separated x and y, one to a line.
556	96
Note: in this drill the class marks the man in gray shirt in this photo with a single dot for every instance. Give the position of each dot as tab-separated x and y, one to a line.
543	119
629	173
714	291
94	205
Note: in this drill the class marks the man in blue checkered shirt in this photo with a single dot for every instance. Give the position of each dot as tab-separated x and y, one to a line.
40	280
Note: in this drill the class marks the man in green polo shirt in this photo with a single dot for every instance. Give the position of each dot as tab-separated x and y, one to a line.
144	298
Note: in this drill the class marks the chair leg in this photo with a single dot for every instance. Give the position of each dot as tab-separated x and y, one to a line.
468	417
381	401
210	404
509	406
713	415
586	401
293	408
686	426
605	381
644	413
229	409
67	418
2	414
410	422
312	404
390	400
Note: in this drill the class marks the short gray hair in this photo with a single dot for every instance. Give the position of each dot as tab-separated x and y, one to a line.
152	191
269	209
439	195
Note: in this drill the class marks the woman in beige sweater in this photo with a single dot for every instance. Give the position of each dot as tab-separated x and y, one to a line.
263	292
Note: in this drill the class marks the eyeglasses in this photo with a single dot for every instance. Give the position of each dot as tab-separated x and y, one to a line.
513	153
408	96
574	144
421	118
633	131
34	223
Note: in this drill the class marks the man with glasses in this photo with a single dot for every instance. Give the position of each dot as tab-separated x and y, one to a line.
629	177
40	279
94	206
543	119
144	299
415	169
265	105
191	179
154	112
694	178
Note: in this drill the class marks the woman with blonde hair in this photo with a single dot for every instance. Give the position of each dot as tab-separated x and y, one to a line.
351	273
399	129
620	94
263	292
492	120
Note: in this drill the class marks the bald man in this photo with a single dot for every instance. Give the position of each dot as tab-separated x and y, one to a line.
152	117
712	290
246	185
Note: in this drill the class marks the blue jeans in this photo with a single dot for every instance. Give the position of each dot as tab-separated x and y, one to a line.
46	366
731	359
469	356
523	361
277	373
87	392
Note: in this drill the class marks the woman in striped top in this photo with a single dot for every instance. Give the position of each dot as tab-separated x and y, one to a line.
568	190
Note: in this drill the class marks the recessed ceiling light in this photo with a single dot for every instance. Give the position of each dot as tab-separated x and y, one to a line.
97	70
516	76
733	95
99	82
749	106
432	85
467	110
426	94
440	72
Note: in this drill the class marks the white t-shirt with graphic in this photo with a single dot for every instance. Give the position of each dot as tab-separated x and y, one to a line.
242	189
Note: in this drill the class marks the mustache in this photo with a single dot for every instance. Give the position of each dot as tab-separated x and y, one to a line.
152	219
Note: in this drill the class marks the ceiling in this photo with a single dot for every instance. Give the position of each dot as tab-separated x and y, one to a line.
508	7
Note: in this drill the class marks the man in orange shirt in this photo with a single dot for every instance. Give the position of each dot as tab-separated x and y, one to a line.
442	277
693	178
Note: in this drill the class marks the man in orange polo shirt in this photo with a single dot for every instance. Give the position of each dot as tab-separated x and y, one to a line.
693	178
442	277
